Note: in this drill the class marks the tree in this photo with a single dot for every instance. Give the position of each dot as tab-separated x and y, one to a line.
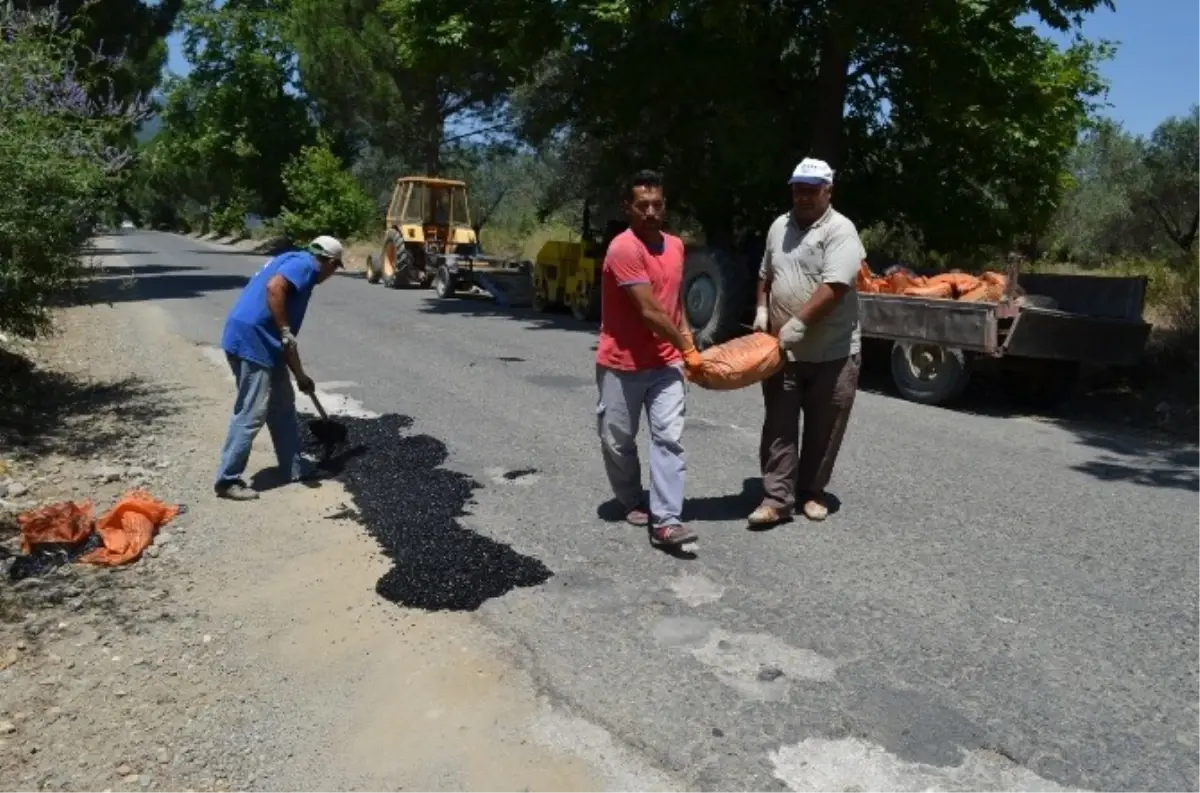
392	73
120	48
1172	159
57	162
946	113
322	196
1096	216
236	120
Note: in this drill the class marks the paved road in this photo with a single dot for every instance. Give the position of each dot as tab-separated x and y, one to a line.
1000	602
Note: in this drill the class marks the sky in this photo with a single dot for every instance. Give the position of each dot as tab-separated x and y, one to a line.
1155	74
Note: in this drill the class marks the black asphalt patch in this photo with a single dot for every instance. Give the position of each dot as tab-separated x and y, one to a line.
411	505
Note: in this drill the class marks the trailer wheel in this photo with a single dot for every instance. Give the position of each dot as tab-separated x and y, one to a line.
372	274
443	282
928	373
715	295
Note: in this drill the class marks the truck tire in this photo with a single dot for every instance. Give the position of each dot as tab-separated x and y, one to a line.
716	295
443	282
929	374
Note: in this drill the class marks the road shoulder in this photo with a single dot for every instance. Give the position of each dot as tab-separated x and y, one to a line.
249	648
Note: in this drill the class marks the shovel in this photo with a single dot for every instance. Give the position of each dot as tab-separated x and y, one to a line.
329	432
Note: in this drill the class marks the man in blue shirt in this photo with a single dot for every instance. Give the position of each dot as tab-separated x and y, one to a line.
260	344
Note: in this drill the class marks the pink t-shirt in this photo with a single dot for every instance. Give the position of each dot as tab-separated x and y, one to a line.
625	341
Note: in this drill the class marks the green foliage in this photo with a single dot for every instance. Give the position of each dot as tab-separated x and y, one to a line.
58	167
1172	159
1131	196
323	197
230	218
982	110
391	73
231	125
132	29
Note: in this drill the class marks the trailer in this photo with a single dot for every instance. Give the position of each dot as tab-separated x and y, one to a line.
1043	331
508	281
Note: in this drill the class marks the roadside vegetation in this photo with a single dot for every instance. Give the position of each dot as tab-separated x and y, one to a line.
297	117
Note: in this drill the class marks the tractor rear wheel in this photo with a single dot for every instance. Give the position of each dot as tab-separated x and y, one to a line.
396	261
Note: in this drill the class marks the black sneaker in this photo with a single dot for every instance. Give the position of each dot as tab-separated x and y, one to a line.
237	492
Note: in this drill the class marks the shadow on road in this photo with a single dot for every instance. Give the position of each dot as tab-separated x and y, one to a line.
101	251
48	412
485	306
1145	461
142	270
252	253
166	284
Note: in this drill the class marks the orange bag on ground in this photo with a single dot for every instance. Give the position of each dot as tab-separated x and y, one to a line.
126	530
739	363
129	527
66	523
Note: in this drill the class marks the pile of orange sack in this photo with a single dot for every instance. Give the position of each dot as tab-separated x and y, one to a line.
117	537
986	288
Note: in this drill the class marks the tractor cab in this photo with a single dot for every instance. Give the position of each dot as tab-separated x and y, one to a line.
427	217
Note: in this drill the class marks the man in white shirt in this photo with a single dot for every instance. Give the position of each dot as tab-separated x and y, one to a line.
806	297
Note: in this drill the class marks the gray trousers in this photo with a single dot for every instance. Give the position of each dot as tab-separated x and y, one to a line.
661	393
796	467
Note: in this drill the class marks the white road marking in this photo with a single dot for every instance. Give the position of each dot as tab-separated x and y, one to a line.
855	764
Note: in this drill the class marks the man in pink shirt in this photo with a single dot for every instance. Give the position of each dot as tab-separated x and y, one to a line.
645	347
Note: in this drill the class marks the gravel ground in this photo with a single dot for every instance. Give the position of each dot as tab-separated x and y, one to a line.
246	649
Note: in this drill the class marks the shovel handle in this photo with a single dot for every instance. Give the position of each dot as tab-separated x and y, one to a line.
317	404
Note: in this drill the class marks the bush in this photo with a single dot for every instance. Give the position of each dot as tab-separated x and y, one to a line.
323	197
59	167
230	219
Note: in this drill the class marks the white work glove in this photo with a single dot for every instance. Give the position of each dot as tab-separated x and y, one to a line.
791	334
760	320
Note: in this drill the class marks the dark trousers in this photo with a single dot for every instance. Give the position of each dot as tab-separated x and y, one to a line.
824	394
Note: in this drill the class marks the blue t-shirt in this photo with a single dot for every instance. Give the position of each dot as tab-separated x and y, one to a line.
250	330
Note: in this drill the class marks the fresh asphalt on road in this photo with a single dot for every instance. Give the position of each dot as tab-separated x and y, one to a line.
992	585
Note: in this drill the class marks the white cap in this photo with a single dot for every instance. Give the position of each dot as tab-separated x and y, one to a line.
811	171
327	246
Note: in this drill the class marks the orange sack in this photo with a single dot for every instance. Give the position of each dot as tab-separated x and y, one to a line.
986	292
739	363
960	282
129	527
932	290
67	523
